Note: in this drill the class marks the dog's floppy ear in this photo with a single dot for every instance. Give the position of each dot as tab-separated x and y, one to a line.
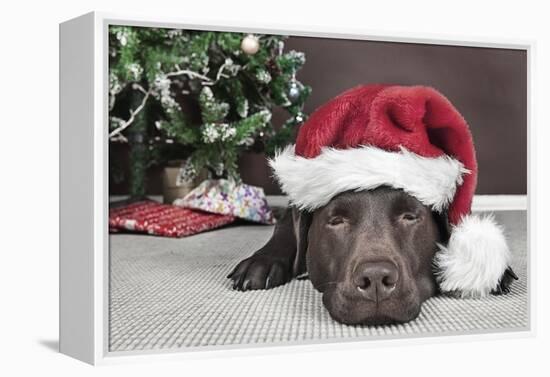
302	221
443	225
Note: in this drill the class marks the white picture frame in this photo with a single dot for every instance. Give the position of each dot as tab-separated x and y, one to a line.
84	195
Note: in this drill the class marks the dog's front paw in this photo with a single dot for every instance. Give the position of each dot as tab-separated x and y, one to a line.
505	282
260	272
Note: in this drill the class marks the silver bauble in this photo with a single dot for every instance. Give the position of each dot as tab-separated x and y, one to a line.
294	92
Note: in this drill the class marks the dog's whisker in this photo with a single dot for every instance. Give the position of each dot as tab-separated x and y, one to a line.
328	283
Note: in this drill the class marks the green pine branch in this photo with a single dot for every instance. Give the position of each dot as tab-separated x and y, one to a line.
206	94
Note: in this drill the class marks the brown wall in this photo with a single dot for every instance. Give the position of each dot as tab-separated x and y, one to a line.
488	86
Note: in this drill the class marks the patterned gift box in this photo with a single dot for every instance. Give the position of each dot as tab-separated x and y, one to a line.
227	197
163	220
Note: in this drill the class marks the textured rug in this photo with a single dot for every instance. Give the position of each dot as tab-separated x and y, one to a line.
171	293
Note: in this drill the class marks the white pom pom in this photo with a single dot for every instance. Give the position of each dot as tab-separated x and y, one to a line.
475	258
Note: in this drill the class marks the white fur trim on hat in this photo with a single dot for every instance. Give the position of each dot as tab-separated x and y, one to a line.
312	182
474	259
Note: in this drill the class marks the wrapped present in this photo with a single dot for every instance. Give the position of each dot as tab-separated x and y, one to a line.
163	220
227	197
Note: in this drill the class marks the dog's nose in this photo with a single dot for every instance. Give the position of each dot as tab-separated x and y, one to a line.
376	280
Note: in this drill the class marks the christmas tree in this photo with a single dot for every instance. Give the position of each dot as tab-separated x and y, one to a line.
207	95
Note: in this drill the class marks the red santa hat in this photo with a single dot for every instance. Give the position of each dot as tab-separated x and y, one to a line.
409	138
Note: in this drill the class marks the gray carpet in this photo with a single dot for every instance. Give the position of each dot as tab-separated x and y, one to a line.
170	293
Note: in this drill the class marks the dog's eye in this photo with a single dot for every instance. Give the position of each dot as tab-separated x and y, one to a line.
409	217
336	220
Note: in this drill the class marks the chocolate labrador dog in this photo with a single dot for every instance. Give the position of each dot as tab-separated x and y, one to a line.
370	254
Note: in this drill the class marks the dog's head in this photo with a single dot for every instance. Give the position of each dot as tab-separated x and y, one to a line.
370	254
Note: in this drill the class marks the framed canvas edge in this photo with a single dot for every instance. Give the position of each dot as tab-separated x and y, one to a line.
102	20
